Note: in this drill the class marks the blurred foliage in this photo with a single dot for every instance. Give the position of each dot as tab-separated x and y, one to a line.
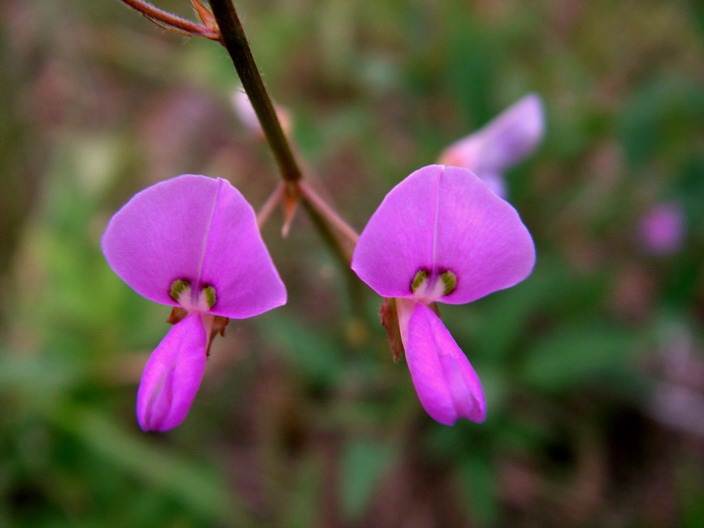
593	367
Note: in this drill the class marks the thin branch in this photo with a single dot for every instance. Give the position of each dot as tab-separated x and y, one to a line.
164	18
328	212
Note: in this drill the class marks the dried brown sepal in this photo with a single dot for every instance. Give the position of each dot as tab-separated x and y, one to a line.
205	15
218	327
435	308
292	195
389	320
177	315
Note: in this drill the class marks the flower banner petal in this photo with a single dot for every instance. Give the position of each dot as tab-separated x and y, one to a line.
200	230
444	219
479	237
172	376
236	262
157	237
398	239
446	384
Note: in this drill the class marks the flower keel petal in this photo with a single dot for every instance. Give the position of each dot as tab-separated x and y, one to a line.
172	376
446	384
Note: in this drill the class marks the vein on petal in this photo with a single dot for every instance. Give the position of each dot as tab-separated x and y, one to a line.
206	235
437	214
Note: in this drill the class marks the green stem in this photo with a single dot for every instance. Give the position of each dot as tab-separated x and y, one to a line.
235	41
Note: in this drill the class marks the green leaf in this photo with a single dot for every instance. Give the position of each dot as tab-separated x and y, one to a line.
576	354
312	351
363	464
478	474
198	487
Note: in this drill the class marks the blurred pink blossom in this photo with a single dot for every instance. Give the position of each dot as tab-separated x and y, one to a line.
661	228
506	140
248	117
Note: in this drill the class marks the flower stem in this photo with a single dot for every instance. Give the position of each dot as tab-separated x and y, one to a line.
235	41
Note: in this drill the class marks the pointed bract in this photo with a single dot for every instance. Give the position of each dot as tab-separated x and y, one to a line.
446	384
438	219
196	229
172	376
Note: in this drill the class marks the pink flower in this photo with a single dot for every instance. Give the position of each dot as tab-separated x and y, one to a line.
248	117
509	138
442	235
661	228
190	242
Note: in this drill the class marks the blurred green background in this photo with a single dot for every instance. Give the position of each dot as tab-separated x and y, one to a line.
593	367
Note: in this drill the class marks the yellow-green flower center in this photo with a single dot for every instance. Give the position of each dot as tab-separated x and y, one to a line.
182	293
428	286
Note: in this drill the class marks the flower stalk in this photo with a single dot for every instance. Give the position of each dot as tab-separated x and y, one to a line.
235	41
321	214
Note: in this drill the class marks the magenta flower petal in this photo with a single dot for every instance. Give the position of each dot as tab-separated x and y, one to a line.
507	139
197	229
513	135
398	238
444	219
495	182
479	237
157	237
661	228
446	384
236	262
172	376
